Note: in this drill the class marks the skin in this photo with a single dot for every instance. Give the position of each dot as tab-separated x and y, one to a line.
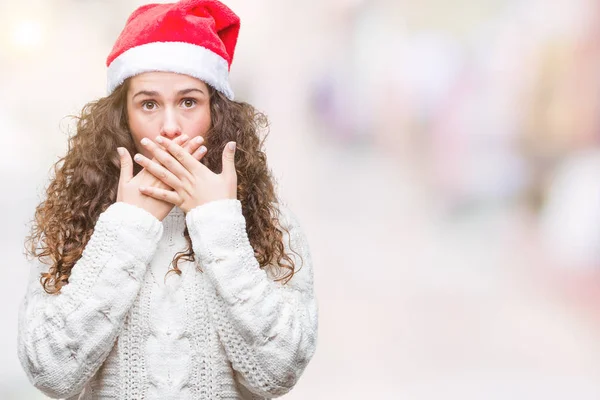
161	107
167	104
129	185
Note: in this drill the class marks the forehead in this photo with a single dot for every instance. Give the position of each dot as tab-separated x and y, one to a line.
164	82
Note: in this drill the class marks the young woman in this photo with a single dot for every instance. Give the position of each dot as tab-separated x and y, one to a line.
178	275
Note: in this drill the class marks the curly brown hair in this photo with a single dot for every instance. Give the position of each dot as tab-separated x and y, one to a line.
86	180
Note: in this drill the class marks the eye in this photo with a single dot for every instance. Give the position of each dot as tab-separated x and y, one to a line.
145	103
189	103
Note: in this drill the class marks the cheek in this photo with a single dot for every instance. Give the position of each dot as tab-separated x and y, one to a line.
139	129
200	124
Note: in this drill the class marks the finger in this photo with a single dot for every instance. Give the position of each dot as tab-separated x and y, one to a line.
158	171
198	154
170	196
165	158
181	140
182	157
229	159
126	173
194	144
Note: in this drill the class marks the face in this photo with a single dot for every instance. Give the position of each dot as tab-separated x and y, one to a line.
166	104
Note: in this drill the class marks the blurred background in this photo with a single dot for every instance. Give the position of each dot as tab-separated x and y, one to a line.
442	157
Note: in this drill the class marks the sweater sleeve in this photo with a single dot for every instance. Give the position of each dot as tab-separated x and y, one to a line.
63	339
268	330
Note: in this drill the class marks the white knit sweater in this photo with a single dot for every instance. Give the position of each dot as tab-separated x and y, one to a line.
118	331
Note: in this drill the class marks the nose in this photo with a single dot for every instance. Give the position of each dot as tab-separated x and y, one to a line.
170	127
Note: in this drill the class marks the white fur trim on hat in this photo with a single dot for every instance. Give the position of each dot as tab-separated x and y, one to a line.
180	57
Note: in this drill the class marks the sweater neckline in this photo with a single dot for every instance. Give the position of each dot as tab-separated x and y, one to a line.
174	223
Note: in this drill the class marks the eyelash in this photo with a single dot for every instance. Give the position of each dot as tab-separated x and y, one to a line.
183	100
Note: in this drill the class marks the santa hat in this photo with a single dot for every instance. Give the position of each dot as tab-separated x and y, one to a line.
192	37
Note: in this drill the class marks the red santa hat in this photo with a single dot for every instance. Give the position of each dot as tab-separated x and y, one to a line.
192	37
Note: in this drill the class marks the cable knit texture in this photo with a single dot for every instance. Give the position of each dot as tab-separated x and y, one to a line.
121	330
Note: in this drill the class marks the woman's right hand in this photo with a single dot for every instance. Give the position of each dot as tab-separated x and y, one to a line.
128	191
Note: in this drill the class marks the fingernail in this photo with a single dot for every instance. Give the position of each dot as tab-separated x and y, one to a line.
232	146
199	139
120	151
202	149
137	157
145	141
159	139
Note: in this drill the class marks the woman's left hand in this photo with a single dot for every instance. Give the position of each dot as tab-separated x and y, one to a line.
193	183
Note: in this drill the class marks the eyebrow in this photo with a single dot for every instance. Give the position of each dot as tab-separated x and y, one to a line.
153	93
